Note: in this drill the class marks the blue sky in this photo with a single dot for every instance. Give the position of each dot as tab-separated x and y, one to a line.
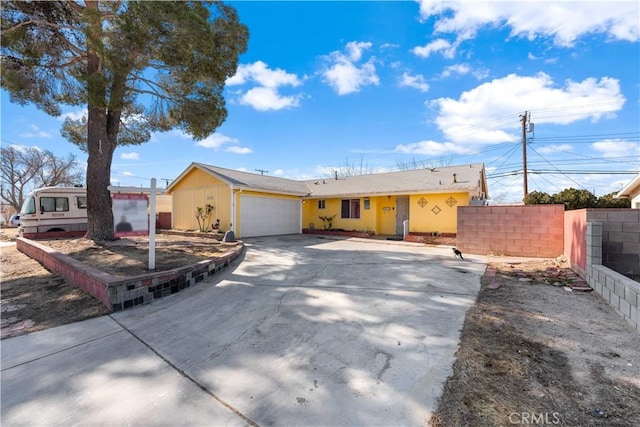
383	85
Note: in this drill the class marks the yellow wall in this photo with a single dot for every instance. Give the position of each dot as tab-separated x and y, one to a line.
370	219
425	220
381	216
197	189
163	203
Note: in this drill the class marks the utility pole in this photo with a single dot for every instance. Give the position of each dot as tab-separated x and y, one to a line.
262	171
523	118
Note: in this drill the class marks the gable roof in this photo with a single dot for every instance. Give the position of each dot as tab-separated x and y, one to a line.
468	178
434	180
249	181
629	190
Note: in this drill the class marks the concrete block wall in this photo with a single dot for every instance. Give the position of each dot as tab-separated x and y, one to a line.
622	293
620	239
534	231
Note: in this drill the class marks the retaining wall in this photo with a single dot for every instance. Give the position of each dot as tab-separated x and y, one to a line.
120	293
535	231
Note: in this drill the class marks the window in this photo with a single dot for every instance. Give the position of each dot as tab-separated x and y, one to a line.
350	208
29	206
54	204
81	201
321	204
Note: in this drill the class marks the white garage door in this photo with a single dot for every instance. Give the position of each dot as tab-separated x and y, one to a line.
266	216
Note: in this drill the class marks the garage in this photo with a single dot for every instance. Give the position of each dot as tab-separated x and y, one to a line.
269	216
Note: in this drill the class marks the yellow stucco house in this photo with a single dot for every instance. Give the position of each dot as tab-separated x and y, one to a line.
261	205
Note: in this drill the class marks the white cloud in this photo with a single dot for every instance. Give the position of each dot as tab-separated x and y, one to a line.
73	115
218	140
24	148
35	132
562	21
464	69
238	150
260	73
617	148
125	173
265	95
482	115
268	98
455	69
430	148
354	49
344	75
278	172
443	46
416	81
130	156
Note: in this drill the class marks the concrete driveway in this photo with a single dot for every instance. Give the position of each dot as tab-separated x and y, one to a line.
304	331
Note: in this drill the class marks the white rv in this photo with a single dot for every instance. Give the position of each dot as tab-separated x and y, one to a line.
58	211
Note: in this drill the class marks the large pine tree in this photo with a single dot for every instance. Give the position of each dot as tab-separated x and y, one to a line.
138	67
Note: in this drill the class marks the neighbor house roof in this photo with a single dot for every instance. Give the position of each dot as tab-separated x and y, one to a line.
631	189
464	178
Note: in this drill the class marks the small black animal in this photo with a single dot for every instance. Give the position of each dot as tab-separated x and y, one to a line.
458	253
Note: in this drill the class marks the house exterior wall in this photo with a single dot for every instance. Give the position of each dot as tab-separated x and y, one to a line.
429	213
163	203
197	189
368	220
439	213
536	231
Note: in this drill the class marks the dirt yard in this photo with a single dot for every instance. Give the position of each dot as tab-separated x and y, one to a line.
32	298
534	349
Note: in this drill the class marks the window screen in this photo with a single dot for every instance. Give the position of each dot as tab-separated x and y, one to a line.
54	204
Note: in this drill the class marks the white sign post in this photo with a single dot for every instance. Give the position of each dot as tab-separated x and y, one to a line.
152	214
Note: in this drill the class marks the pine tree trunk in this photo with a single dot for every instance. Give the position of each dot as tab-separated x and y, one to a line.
101	148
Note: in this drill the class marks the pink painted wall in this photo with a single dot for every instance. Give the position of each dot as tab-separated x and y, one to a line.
532	231
575	243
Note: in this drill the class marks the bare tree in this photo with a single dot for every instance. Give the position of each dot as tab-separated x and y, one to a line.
24	169
350	168
414	164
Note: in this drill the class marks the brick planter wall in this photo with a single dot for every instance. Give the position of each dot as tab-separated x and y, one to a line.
120	293
530	231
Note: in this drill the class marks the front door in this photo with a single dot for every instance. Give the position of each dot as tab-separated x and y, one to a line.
402	213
